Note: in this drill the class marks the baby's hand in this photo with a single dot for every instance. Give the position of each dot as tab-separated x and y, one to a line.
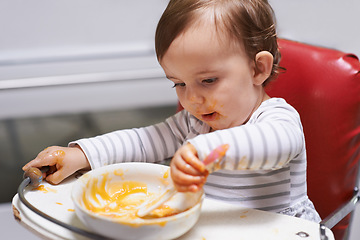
63	162
187	171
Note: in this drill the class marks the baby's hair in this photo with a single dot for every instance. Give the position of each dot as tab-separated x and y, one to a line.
247	22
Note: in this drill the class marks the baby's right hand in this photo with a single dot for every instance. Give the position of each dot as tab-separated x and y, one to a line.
63	162
187	171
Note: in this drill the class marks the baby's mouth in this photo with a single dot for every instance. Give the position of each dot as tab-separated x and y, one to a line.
209	116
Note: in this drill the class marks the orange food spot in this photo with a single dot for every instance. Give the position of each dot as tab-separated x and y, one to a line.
165	177
119	172
166	174
44	189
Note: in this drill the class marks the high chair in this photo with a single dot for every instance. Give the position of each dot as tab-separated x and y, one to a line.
324	86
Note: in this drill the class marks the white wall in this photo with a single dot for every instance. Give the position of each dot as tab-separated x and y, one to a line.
47	29
48	48
330	23
76	56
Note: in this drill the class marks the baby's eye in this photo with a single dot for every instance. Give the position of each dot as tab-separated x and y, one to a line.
209	80
179	85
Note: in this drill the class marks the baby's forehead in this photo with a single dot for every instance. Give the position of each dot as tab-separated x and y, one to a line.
204	43
208	27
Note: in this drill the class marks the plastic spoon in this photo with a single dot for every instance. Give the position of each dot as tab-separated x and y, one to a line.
211	162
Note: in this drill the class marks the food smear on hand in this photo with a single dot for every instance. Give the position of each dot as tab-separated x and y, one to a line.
58	157
58	154
120	200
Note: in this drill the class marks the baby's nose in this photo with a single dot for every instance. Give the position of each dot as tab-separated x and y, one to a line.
195	97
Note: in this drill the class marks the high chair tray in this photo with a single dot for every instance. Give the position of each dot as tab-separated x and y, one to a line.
218	220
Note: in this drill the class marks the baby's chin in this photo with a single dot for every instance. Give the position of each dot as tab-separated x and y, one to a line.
221	125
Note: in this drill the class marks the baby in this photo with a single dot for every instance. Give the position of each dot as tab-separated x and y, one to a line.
219	54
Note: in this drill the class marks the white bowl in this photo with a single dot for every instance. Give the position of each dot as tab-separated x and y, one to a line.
130	184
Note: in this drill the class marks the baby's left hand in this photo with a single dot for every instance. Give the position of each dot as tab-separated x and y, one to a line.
187	171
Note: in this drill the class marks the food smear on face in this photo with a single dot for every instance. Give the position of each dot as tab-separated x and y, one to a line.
120	200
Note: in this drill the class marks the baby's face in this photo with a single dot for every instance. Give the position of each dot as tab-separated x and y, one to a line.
213	81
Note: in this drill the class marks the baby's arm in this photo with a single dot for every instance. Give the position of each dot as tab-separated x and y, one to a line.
153	143
63	162
269	141
149	144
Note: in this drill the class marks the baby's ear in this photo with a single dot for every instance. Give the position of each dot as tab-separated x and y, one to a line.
263	66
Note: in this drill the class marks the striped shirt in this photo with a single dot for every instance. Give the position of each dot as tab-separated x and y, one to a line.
264	168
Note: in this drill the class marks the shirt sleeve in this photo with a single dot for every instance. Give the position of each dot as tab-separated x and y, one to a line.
153	143
269	140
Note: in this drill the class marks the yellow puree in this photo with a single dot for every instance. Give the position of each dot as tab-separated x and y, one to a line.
120	200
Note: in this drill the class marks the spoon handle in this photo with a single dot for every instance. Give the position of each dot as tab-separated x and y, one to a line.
214	159
157	202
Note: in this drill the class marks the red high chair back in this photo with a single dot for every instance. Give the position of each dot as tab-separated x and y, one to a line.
324	86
